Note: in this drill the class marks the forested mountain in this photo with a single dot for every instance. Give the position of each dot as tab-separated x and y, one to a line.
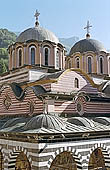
6	38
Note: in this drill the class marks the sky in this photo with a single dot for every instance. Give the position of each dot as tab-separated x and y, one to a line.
66	18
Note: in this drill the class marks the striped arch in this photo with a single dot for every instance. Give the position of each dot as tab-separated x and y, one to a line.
105	152
75	154
13	156
3	152
2	158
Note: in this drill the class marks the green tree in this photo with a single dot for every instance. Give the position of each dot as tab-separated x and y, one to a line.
3	67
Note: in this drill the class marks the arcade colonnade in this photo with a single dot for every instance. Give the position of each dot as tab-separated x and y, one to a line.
71	155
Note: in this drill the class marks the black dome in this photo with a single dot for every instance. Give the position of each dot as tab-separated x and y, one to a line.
87	45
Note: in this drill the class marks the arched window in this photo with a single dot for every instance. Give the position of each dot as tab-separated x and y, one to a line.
57	59
32	56
97	160
77	62
101	65
13	59
1	161
109	65
20	58
89	65
76	83
69	63
46	56
65	160
22	162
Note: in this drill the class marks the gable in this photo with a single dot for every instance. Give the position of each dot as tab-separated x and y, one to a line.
66	83
10	105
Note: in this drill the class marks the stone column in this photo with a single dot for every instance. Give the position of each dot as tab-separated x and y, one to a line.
49	105
95	63
81	62
40	55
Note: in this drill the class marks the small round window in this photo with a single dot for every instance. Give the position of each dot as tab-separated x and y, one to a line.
80	108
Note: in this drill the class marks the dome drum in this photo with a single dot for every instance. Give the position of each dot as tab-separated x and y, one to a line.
90	56
39	47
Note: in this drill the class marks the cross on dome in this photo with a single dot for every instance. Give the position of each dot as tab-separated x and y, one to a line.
36	16
88	27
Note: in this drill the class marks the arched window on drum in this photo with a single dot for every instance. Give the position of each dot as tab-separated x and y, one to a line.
13	59
89	64
57	59
77	62
46	55
101	64
20	55
33	56
109	65
69	63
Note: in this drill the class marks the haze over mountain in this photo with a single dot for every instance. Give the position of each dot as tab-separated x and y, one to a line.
69	42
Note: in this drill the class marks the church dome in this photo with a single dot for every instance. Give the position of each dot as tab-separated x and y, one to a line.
45	121
87	45
37	33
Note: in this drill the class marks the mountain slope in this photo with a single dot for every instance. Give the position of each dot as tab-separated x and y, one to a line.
68	42
6	38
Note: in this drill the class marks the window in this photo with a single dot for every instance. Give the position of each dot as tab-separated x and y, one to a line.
77	62
13	59
20	57
32	56
101	65
76	83
68	63
46	56
57	59
109	65
89	65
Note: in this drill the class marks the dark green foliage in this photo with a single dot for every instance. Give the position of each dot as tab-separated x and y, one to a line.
3	53
3	65
6	39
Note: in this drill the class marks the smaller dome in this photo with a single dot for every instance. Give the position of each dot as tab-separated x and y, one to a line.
14	121
87	45
46	121
103	120
37	33
80	121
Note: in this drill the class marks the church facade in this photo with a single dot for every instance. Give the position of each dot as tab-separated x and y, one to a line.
55	108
